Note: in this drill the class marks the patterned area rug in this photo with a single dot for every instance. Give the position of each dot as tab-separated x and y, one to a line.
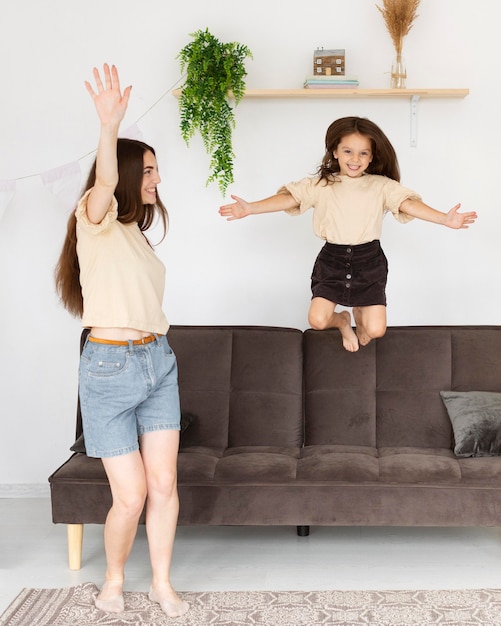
75	607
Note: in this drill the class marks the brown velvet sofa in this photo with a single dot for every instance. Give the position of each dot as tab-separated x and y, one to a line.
290	429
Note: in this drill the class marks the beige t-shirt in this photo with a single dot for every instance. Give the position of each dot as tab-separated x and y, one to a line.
350	210
122	278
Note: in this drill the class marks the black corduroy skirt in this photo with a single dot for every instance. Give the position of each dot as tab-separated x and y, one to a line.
351	275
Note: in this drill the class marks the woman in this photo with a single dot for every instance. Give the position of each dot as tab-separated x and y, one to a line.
109	274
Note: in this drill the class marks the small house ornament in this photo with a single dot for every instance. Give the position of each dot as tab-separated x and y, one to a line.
328	62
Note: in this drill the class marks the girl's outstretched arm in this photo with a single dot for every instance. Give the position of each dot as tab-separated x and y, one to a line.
111	106
240	208
452	219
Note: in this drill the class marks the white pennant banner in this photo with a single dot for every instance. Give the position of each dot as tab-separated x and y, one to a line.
64	182
7	191
133	132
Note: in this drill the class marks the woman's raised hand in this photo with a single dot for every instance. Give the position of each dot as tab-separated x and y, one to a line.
110	103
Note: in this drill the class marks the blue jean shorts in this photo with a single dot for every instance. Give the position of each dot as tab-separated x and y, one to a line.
126	391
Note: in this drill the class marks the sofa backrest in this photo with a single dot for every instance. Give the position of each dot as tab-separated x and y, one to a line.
387	393
243	385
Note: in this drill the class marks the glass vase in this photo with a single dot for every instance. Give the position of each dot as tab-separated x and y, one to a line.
398	73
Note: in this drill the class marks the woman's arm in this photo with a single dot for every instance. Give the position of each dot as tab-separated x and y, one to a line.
452	219
111	106
240	208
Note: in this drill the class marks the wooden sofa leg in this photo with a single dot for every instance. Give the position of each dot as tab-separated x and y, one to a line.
303	531
75	540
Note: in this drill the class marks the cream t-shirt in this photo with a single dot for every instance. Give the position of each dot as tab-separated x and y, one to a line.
122	278
350	210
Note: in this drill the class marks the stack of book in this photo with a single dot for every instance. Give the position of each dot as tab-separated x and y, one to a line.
330	82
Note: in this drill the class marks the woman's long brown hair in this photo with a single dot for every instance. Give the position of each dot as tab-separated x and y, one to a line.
384	159
130	153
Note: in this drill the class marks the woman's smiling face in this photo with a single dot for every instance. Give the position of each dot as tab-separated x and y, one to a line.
151	178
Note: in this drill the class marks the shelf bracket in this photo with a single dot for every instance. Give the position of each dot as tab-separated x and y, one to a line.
414	109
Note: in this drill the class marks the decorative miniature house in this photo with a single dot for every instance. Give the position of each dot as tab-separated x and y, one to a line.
328	62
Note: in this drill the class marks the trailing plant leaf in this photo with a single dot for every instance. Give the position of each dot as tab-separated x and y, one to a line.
215	72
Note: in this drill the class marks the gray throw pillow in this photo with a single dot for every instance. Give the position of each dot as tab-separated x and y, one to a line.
476	421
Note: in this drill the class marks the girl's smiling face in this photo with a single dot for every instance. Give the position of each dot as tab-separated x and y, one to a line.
151	178
354	155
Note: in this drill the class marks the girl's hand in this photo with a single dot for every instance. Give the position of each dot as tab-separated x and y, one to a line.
454	219
110	104
240	208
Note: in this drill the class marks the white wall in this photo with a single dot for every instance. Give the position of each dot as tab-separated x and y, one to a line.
255	271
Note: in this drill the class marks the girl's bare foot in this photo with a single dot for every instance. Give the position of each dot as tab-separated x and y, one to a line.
363	337
170	603
350	339
110	598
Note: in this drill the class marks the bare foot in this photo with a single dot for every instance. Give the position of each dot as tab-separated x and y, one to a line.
110	598
363	337
170	603
350	339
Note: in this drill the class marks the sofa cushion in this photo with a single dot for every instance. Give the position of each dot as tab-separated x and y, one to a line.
243	383
384	395
256	467
338	463
339	386
418	466
475	358
413	365
401	465
484	471
476	422
194	467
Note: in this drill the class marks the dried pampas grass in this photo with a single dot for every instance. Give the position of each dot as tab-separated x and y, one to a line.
399	16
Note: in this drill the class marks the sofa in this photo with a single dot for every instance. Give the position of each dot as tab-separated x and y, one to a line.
287	428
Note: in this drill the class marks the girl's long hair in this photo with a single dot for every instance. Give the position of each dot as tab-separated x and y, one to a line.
130	153
384	159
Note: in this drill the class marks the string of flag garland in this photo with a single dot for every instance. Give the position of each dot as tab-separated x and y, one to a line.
64	182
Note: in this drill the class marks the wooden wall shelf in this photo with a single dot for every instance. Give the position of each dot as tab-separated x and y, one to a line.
356	93
414	95
351	93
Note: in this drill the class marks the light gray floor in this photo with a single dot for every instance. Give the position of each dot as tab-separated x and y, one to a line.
33	553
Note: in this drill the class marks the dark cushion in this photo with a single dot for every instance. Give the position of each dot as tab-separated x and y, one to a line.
476	421
79	445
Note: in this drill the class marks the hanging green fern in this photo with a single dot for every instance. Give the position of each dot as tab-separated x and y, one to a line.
213	70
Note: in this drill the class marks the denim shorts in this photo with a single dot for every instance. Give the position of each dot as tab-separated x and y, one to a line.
126	391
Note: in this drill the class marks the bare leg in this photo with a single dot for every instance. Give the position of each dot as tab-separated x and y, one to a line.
370	322
128	487
159	450
322	315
